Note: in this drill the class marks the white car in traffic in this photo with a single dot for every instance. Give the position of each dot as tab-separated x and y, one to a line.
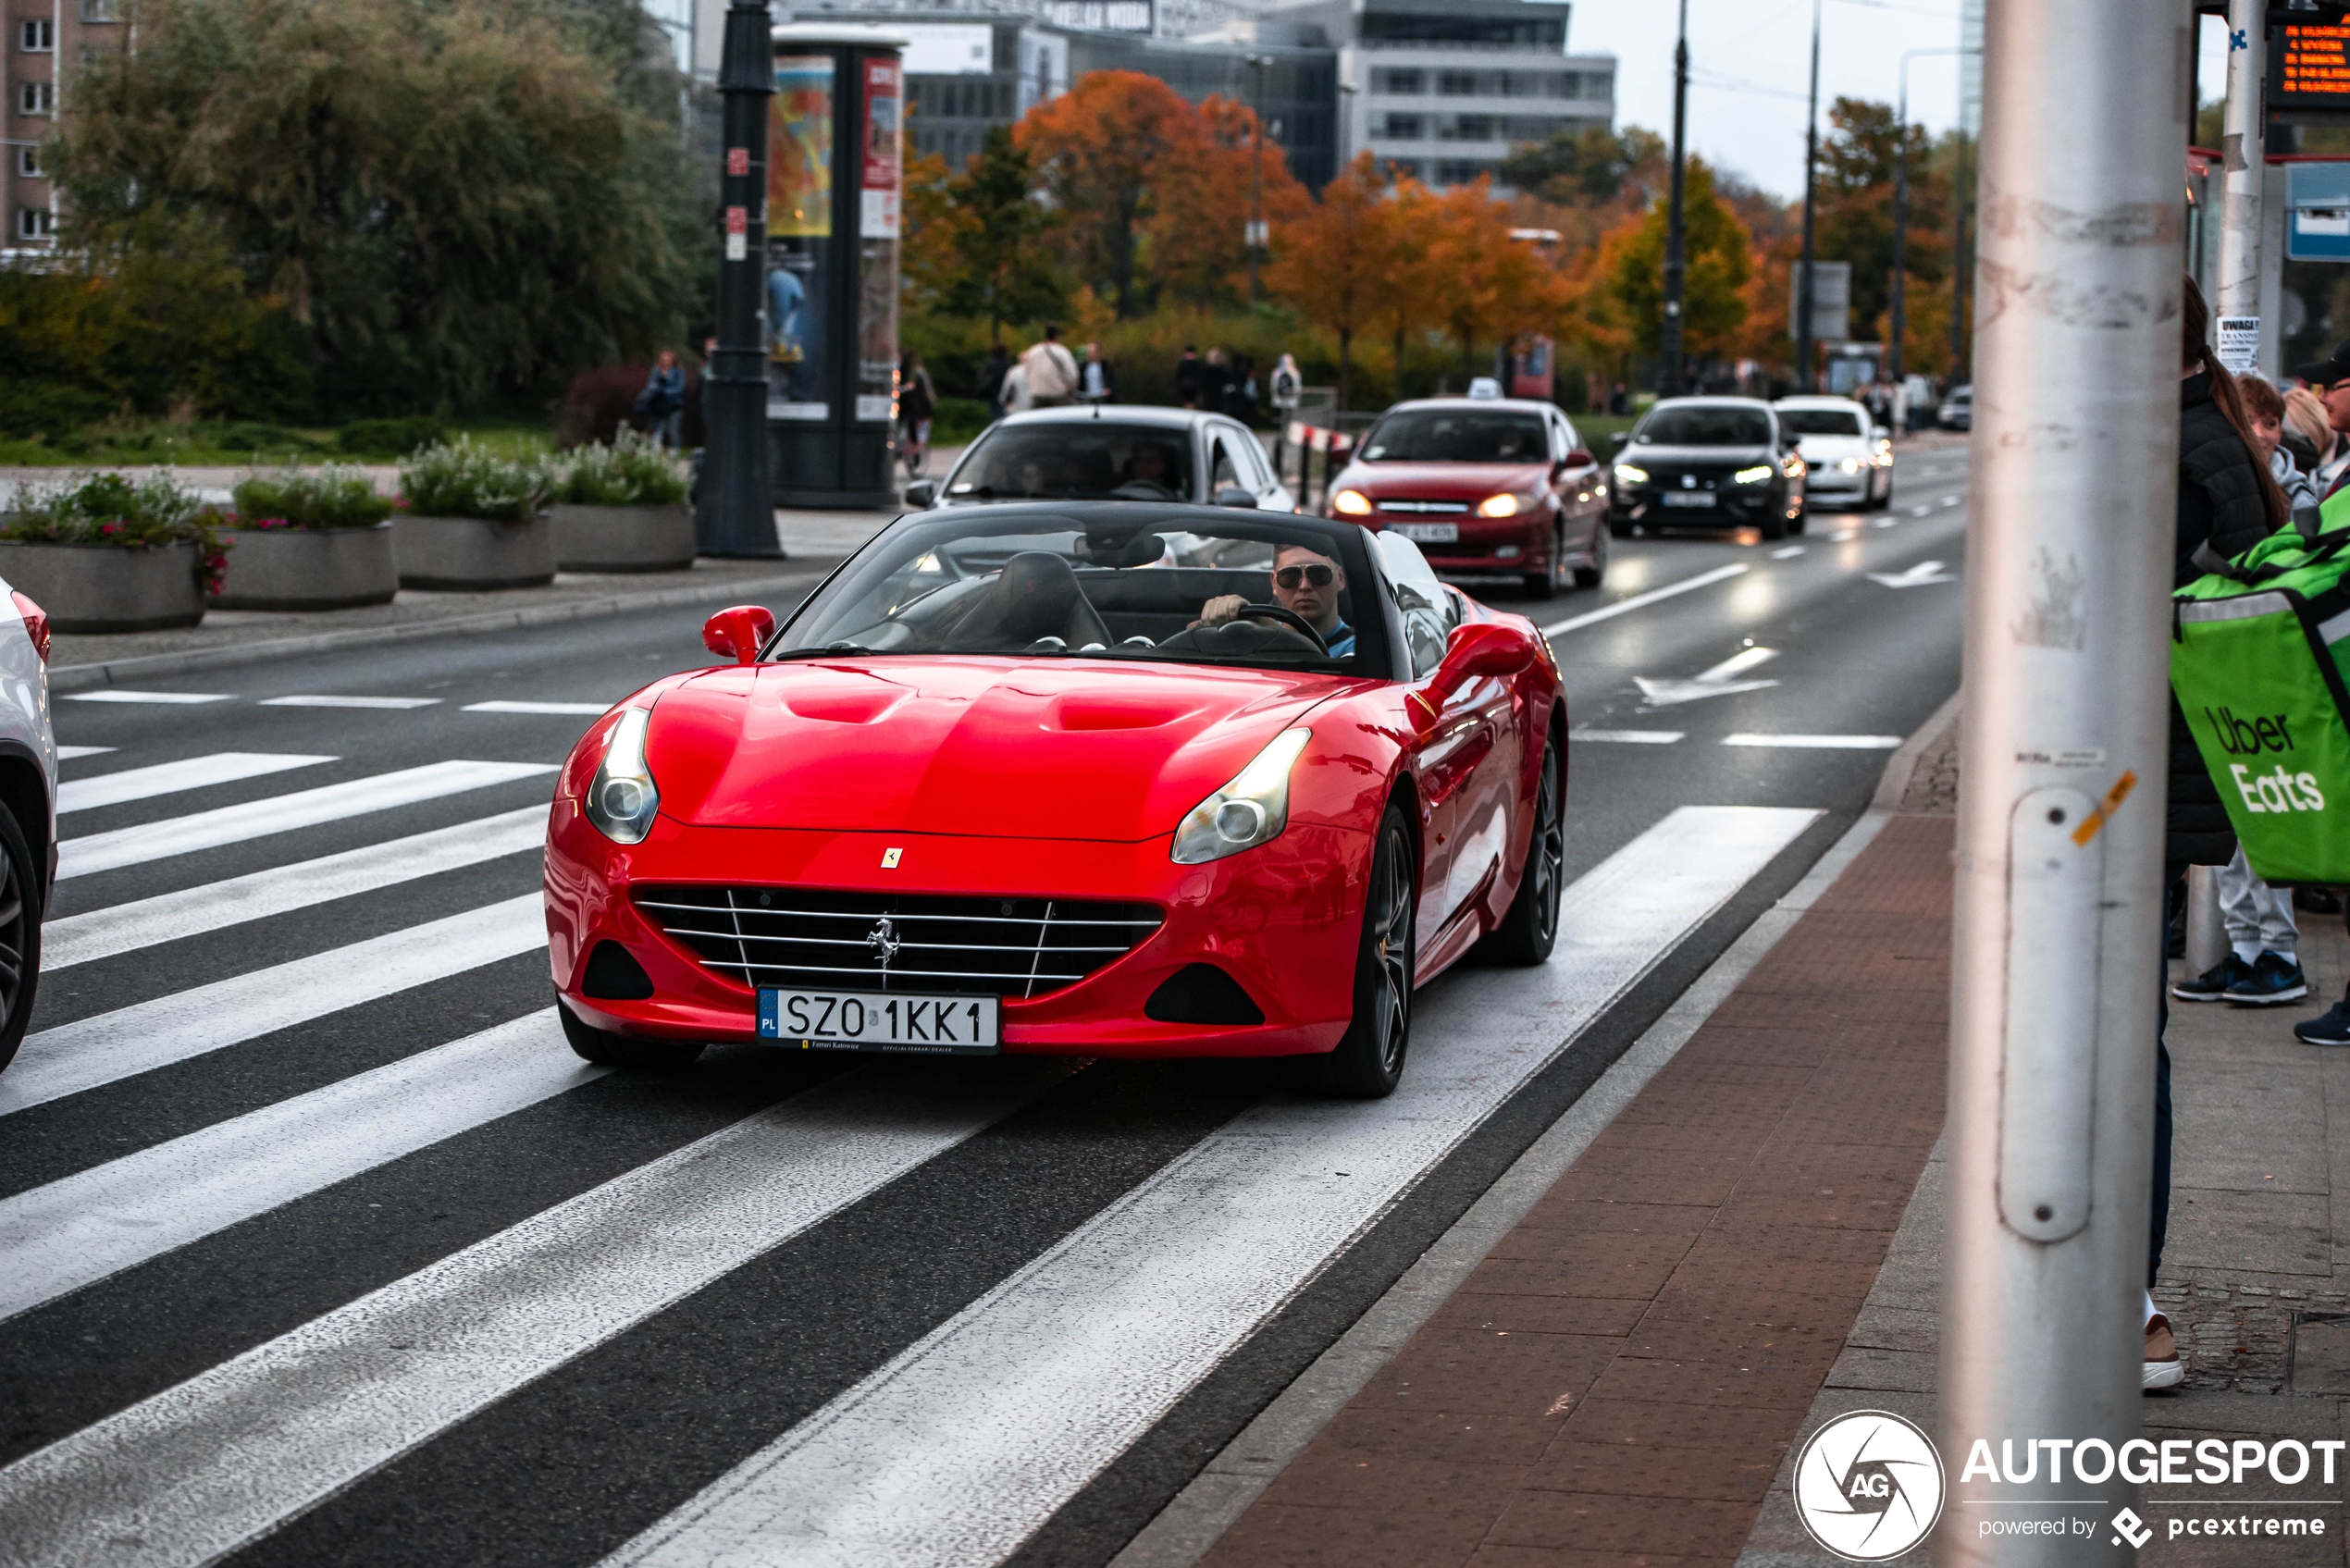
1849	455
28	809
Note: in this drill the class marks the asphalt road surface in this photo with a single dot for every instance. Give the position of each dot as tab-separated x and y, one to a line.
318	1245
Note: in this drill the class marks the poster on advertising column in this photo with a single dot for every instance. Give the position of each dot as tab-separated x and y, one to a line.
881	159
799	220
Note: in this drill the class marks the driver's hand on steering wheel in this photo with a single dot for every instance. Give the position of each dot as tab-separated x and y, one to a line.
1222	607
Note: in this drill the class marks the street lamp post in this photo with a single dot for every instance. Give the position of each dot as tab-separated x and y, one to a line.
2243	167
2056	953
1901	206
1803	349
1256	64
737	514
1677	226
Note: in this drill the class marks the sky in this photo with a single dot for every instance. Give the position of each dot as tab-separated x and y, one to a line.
1749	64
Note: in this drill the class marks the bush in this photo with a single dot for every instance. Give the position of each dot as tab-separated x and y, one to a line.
107	509
48	408
389	437
326	497
958	420
630	470
460	479
244	435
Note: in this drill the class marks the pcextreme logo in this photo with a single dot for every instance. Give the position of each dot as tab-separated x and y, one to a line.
1869	1485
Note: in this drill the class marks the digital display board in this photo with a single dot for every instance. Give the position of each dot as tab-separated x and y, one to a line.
2310	72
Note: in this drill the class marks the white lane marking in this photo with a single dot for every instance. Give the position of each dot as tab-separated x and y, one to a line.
578	708
98	1222
193	1473
120	696
1953	500
1789	554
1720	681
282	813
349	702
1886	523
1628	737
146	1035
1919	511
169	778
1826	743
67	753
1703	579
961	1446
1924	574
168	916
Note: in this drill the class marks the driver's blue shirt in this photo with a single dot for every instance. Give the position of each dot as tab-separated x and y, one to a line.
1342	641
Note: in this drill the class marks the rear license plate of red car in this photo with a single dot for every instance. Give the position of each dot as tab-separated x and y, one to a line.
1427	533
853	1020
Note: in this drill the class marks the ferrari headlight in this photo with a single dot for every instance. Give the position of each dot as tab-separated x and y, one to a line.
1628	475
1251	810
1754	475
1350	503
621	798
1500	506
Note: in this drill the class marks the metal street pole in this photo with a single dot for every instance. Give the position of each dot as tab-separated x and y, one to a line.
1901	206
1803	349
1256	64
1677	258
737	515
2056	954
1963	182
2242	170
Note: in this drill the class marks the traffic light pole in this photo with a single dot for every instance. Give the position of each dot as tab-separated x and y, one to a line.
1677	257
736	512
2057	948
2243	166
1808	288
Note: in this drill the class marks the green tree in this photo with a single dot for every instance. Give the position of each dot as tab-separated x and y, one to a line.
1007	273
1589	165
1720	260
1855	209
457	201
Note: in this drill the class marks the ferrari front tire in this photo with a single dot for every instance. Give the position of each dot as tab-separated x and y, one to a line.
1530	930
607	1049
1368	1061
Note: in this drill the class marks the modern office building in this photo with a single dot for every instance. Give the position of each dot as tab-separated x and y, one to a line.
42	36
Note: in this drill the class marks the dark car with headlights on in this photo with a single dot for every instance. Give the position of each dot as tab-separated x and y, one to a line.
1708	462
1482	484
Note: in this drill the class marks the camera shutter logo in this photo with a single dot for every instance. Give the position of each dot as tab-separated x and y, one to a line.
1869	1485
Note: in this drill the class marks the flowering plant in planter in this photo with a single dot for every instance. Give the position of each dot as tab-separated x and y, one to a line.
310	499
108	509
460	479
633	470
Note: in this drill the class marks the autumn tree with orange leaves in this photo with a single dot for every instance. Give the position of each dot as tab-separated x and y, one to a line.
1197	230
1332	260
1486	286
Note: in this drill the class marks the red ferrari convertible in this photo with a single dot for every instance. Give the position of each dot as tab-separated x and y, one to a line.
1112	778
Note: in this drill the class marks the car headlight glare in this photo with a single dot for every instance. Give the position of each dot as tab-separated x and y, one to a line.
623	798
1500	506
1628	475
1850	465
1350	503
1754	475
1250	810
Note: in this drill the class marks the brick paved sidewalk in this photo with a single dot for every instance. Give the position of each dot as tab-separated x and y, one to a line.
1618	1381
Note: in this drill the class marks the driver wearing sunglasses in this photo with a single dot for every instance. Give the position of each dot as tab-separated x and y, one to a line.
1307	584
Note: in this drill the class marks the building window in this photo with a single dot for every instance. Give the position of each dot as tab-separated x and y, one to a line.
29	163
1400	127
35	223
1387	79
101	11
36	98
37	37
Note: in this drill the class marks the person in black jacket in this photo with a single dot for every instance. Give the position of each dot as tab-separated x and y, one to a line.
2227	503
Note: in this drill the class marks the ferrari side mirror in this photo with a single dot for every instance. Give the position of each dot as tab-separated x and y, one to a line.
738	632
1477	649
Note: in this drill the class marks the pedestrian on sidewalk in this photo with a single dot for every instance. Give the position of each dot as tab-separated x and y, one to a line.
1191	377
1097	379
663	399
2263	408
2227	503
2329	380
2307	434
1052	374
917	401
991	379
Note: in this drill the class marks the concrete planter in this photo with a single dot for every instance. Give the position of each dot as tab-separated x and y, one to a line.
624	539
307	569
107	588
473	553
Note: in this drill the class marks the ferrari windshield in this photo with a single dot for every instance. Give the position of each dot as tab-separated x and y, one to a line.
1822	422
1191	584
1077	460
1457	435
1706	424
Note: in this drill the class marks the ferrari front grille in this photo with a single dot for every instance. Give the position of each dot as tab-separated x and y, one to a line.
798	938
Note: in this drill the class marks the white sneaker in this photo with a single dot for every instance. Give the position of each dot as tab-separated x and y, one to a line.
2164	1366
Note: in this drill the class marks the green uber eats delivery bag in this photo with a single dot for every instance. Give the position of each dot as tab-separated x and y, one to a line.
2258	649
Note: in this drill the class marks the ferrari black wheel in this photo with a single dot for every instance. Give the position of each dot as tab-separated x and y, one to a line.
607	1049
1368	1062
1531	928
20	936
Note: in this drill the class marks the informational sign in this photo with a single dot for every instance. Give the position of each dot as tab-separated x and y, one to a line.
881	151
1831	301
800	147
947	48
2309	73
2238	341
2317	195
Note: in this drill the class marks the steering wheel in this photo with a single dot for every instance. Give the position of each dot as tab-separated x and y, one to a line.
1289	618
1143	490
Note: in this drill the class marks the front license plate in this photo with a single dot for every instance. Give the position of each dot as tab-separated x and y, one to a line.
1688	497
1427	533
853	1020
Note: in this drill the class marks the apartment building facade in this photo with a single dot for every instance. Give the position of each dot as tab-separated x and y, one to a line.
46	42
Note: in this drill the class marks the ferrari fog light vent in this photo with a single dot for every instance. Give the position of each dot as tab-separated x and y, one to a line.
614	975
1202	993
821	940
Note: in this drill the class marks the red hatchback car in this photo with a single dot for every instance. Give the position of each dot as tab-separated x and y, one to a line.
1482	484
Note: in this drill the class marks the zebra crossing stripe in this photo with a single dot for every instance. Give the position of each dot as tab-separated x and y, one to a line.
281	813
123	928
170	778
146	1035
78	1230
201	1469
967	1442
